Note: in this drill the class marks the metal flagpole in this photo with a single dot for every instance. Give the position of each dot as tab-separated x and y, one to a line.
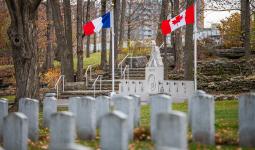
113	62
195	45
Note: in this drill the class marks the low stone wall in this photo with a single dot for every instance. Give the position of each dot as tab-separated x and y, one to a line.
227	67
227	76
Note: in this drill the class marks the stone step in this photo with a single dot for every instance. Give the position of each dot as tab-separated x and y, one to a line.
67	94
105	87
75	86
138	69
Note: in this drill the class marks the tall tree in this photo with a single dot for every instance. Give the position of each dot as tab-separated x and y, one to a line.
68	33
79	40
50	54
94	14
163	16
88	37
103	38
122	22
66	66
245	25
189	49
133	18
95	43
116	9
178	40
22	35
161	38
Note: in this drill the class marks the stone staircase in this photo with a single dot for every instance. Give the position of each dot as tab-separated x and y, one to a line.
80	89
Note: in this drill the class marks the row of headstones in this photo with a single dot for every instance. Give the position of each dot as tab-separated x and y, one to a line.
168	128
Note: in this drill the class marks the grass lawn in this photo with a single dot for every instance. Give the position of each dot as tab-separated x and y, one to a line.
226	136
95	58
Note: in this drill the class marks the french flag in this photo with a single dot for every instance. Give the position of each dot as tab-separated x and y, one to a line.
97	24
184	18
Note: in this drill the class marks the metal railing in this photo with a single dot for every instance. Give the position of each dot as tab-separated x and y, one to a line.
123	74
89	69
99	77
57	84
120	65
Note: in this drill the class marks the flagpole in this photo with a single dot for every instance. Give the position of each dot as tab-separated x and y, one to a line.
113	62
195	45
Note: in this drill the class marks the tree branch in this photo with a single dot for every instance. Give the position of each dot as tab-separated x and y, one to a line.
35	5
212	9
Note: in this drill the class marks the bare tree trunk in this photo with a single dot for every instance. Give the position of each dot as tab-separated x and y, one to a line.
129	37
189	50
129	28
173	44
178	41
116	28
22	34
88	37
66	67
245	26
95	43
68	33
79	41
161	38
103	38
50	54
122	22
163	16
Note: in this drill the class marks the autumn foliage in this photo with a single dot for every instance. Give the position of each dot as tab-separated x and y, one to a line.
4	24
51	77
230	30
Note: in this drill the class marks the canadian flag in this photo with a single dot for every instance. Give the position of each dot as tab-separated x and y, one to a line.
185	17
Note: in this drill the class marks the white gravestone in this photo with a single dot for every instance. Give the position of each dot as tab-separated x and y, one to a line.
247	120
159	104
114	131
203	119
72	105
85	116
30	107
137	107
15	131
102	107
172	130
3	113
49	107
195	96
125	104
62	132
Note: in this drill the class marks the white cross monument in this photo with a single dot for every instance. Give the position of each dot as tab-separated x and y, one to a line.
154	82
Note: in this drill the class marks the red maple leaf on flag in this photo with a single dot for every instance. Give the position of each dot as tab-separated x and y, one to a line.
177	19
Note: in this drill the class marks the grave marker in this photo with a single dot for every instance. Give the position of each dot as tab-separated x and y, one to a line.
114	132
102	107
30	107
125	104
15	131
247	120
3	113
84	109
171	130
203	118
160	103
137	107
62	132
49	107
